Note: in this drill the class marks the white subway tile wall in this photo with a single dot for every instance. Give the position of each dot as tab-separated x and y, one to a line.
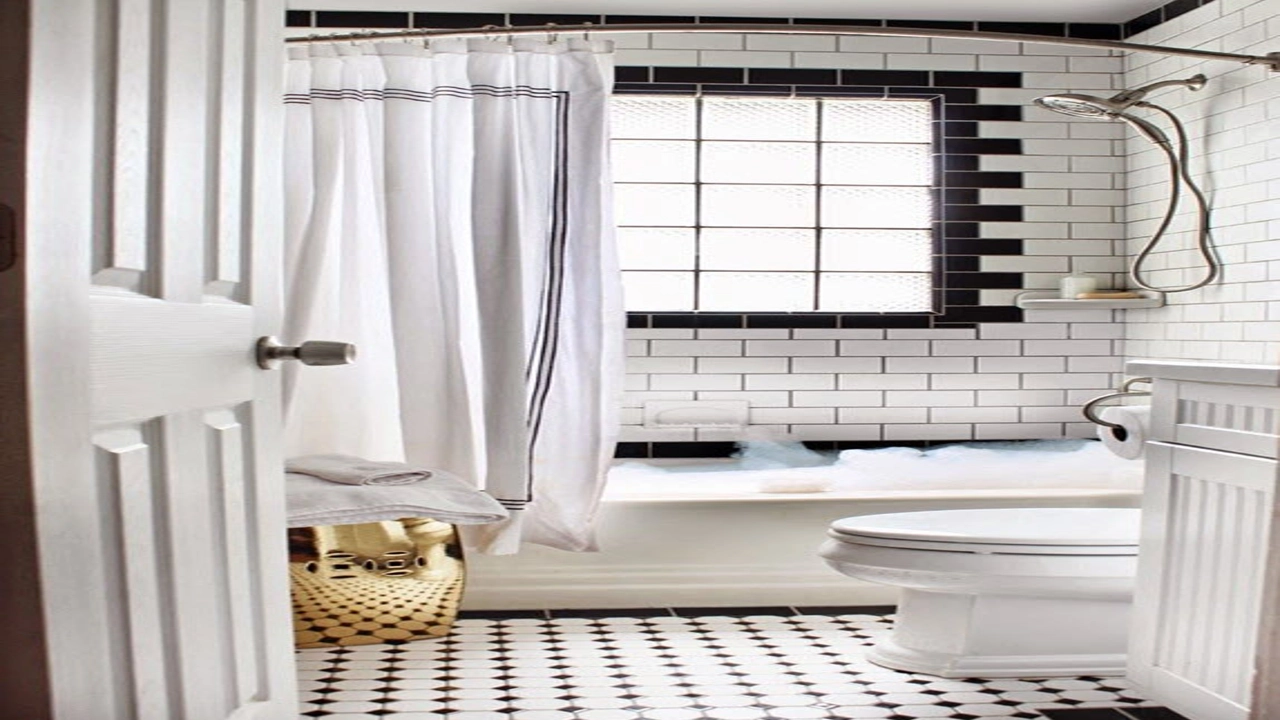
1234	123
995	381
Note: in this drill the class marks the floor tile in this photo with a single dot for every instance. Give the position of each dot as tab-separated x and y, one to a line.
771	663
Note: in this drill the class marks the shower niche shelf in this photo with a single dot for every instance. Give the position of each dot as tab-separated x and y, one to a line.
1049	300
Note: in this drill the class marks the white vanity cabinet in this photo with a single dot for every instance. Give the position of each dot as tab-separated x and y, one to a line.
1208	515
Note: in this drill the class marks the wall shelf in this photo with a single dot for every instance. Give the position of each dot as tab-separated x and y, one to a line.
1049	300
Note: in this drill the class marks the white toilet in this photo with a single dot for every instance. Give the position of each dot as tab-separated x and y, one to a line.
1015	592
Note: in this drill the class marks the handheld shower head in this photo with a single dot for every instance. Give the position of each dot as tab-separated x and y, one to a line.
1091	106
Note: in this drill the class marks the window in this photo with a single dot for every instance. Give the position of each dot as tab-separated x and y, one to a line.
750	204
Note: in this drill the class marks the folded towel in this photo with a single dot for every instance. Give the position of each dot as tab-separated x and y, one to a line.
442	496
351	470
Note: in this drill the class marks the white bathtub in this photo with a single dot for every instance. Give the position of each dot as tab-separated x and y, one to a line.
723	548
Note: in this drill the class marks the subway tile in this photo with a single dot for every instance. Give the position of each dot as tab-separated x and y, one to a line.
638	399
973	415
1021	398
835	432
660	364
794	416
790	382
929	364
984	381
745	59
976	347
932	334
1016	431
741	364
790	348
1063	381
837	398
896	61
795	43
792	76
1067	347
886	415
756	398
743	333
1024	331
928	432
839	334
695	382
636	433
883	381
837	364
884	348
1050	414
696	348
929	398
697	41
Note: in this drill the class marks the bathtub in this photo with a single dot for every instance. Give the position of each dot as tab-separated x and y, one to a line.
700	542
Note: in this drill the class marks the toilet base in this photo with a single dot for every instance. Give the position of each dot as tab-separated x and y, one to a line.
988	635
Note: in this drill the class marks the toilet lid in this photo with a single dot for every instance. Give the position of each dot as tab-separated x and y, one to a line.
1052	527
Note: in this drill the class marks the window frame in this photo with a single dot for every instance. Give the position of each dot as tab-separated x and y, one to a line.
936	276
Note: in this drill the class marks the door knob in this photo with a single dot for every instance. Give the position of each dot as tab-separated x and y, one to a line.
313	352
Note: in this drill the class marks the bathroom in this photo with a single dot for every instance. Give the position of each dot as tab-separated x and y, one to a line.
1027	197
785	595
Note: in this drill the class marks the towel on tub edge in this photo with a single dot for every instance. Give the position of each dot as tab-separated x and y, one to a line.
351	470
442	496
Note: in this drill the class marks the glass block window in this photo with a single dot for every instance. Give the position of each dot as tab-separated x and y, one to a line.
766	204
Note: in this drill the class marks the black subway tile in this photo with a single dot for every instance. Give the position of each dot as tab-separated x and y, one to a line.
984	179
631	450
797	320
1143	22
637	320
958	162
919	78
869	320
953	95
715	19
1095	31
646	19
692	449
984	246
983	213
1025	28
999	313
984	146
838	21
975	79
957	298
841	90
457	20
960	196
983	112
960	229
631	73
361	19
556	18
960	128
792	76
650	88
631	613
934	24
961	263
984	280
1179	7
695	320
699	75
846	609
297	18
713	89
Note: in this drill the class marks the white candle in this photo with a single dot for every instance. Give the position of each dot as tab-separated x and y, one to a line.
1072	285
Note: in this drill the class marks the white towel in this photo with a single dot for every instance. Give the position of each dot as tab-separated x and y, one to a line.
351	470
444	497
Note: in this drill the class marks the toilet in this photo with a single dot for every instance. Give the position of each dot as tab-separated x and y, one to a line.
1012	592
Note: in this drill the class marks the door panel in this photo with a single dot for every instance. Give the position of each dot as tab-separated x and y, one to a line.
162	476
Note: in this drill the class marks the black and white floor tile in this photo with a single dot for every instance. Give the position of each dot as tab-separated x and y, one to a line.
693	664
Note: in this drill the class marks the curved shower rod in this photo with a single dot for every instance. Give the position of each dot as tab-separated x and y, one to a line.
1271	60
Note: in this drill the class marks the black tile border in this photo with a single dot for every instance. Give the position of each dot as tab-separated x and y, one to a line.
957	193
680	611
393	19
708	449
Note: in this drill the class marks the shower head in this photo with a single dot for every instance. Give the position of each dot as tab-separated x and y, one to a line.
1090	106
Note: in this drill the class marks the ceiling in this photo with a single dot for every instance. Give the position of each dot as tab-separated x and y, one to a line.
1105	11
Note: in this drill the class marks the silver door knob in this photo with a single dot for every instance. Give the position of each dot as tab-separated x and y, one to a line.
313	352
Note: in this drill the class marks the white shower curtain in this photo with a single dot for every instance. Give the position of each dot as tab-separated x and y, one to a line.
448	211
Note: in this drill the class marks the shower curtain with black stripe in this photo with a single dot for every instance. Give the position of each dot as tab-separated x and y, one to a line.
448	210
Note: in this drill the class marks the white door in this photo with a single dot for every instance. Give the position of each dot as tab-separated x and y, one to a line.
152	238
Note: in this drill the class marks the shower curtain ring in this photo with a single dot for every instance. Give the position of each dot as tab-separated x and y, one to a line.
552	35
586	36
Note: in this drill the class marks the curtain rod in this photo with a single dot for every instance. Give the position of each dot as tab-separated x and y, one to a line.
1271	60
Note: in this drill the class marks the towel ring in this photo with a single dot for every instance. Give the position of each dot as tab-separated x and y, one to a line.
1116	429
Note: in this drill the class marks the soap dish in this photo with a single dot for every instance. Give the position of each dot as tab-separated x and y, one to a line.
1049	300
